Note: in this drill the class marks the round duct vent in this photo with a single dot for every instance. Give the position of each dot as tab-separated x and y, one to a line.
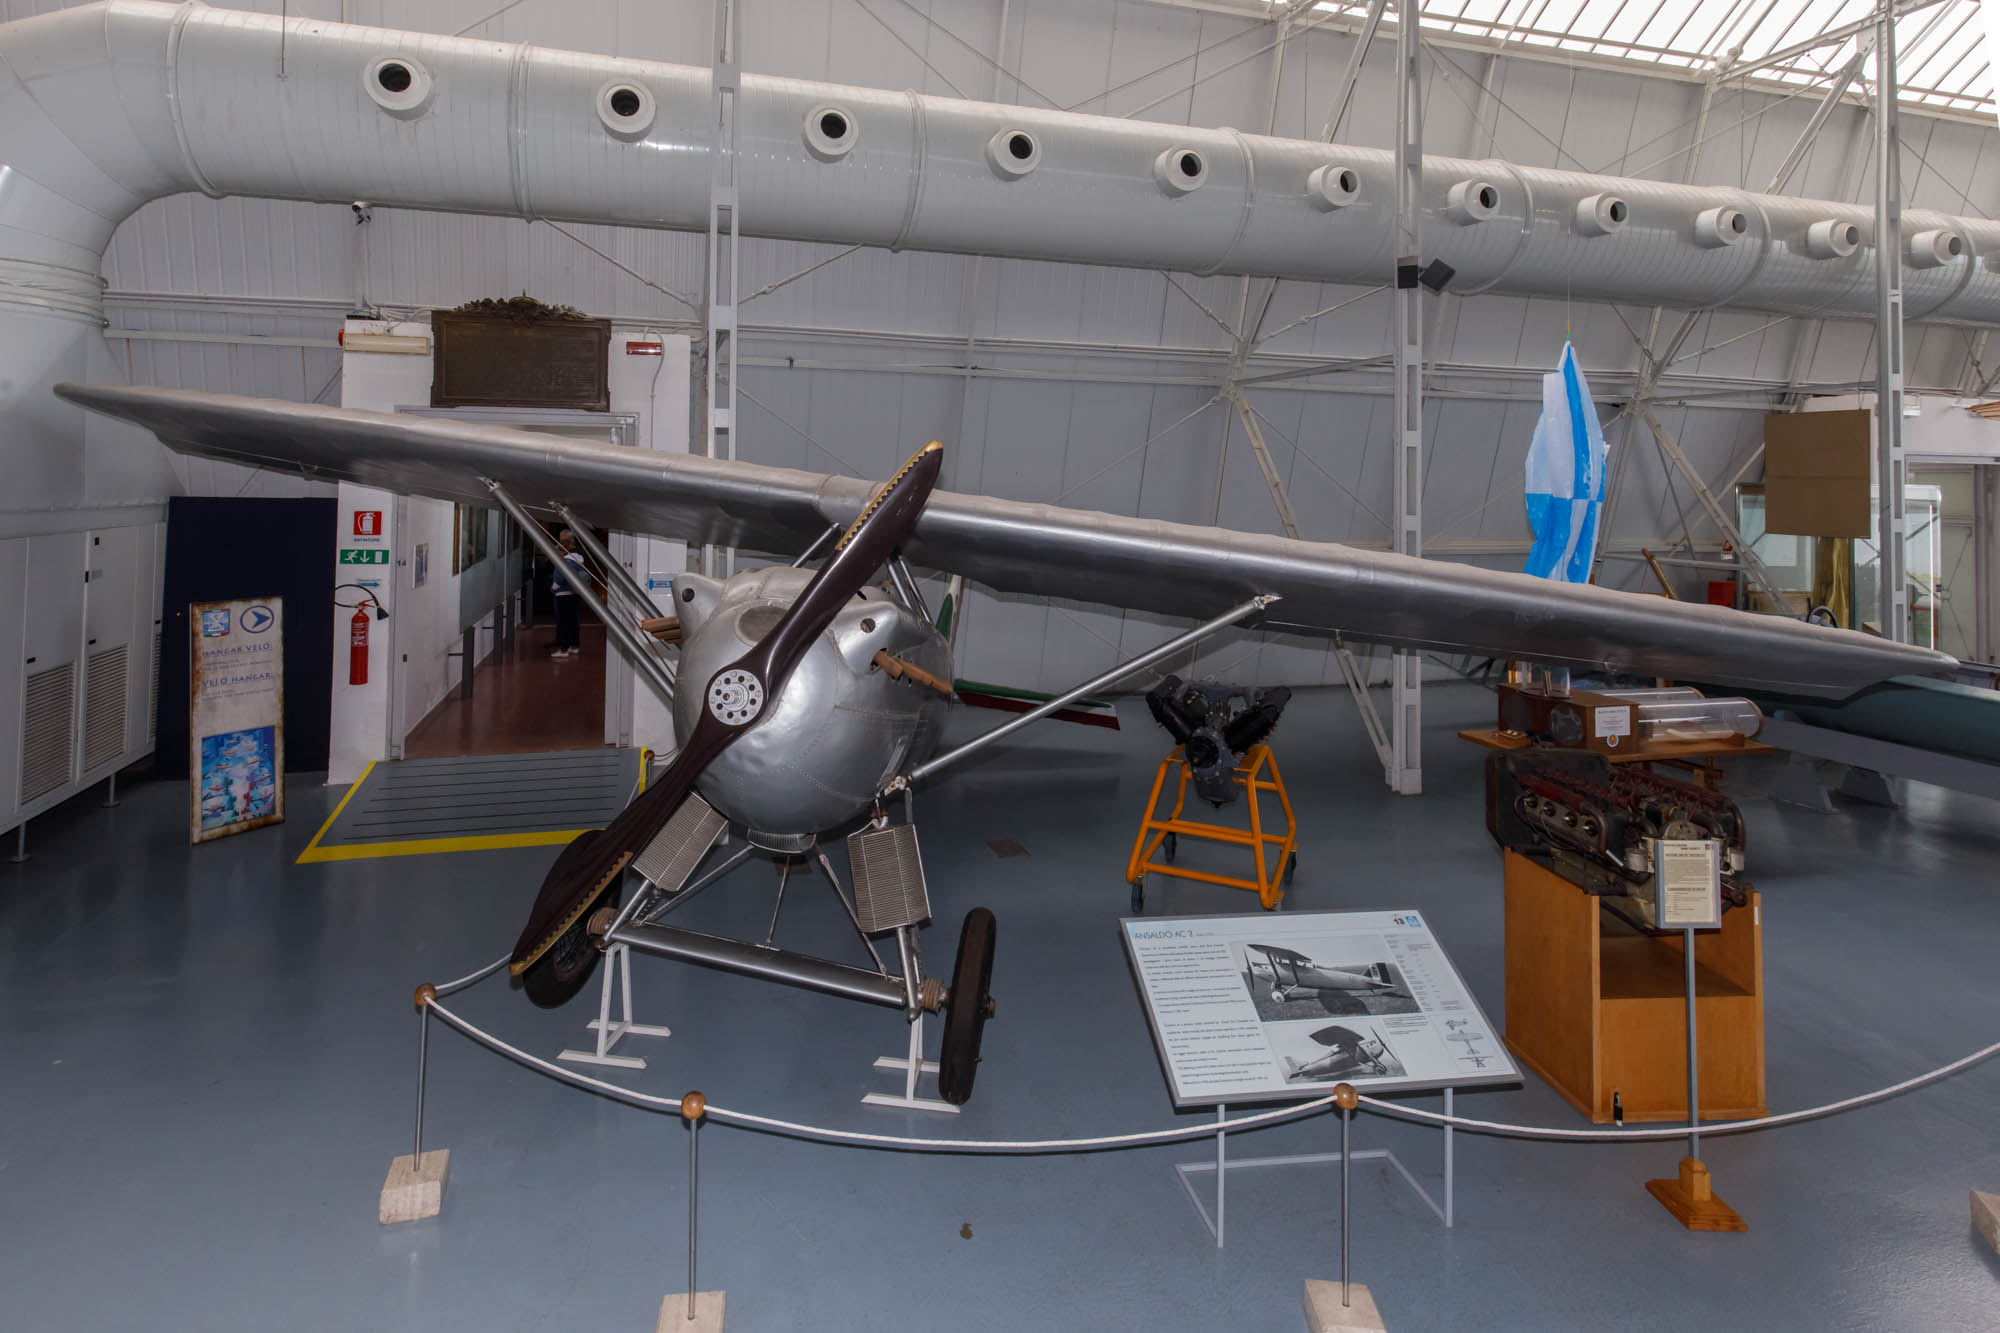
1333	186
626	110
1180	171
1936	248
1832	239
1013	153
1471	201
830	133
1717	227
1600	214
399	85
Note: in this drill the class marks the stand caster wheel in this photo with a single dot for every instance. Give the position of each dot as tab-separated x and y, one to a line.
1138	897
970	1005
1171	847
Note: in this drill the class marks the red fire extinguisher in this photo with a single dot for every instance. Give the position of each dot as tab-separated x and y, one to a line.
357	647
357	630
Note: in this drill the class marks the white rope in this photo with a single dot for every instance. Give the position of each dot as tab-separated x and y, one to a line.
471	977
1101	1142
1681	1131
746	1118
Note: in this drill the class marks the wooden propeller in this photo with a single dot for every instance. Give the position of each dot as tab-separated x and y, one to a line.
734	699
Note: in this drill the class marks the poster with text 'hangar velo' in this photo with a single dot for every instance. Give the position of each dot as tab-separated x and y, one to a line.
1267	1006
236	716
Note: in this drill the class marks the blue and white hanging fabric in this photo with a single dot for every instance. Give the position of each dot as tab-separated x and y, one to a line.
1565	483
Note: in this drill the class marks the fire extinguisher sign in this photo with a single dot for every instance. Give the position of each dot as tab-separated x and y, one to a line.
368	523
236	723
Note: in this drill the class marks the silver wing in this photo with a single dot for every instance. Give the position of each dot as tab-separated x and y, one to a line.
1172	569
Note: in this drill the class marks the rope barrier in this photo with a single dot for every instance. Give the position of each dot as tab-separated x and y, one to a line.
1706	1129
796	1130
472	977
792	1128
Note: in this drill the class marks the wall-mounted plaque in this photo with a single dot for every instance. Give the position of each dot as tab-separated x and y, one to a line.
520	353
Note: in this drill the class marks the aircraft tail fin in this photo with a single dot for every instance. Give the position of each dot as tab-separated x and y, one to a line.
1291	1066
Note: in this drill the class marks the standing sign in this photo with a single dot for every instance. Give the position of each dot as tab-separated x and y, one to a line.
1267	1006
236	712
1687	883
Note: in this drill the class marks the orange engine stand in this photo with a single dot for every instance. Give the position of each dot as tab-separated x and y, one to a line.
1256	773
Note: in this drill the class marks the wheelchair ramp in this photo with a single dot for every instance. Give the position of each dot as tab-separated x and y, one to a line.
414	807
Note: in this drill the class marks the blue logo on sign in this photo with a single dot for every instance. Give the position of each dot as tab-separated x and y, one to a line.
255	619
215	623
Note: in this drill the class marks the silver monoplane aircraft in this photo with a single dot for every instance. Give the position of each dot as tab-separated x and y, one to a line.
1289	973
814	698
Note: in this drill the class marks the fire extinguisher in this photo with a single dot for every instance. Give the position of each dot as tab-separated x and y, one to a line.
357	648
357	631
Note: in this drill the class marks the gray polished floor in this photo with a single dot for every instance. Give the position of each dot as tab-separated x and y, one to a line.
209	1056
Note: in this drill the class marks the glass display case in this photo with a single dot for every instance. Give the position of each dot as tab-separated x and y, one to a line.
1797	564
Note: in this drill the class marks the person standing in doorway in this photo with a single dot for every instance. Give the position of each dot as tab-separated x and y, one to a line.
563	585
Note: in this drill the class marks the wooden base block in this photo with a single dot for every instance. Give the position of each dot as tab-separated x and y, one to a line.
707	1313
1689	1197
415	1189
1325	1313
1986	1217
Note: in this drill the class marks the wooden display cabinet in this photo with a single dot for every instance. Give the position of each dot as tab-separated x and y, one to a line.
1597	1006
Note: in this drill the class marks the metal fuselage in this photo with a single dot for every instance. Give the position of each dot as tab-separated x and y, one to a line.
840	728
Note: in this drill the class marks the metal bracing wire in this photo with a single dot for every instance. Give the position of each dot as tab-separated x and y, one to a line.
621	266
999	70
899	39
805	272
800	431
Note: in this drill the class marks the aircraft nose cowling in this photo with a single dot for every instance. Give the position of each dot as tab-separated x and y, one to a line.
838	730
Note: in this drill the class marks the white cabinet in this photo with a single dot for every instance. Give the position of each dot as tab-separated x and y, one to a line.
79	637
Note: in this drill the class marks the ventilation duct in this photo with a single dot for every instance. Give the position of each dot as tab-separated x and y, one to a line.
109	105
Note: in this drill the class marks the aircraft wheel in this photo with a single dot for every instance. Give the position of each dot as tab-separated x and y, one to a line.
971	1004
553	980
1291	867
1277	997
1138	896
1171	847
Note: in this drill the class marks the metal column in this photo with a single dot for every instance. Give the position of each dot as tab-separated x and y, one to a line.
1406	773
1892	569
720	381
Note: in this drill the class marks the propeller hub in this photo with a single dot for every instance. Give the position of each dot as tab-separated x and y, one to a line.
736	697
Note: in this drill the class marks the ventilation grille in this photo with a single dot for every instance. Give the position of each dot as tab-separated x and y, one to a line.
48	707
888	878
671	857
153	694
104	707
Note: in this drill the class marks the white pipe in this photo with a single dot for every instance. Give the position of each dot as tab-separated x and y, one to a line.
106	106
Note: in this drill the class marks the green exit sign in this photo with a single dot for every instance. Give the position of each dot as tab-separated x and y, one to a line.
361	555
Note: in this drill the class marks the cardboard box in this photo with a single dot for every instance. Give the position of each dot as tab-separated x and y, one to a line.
1818	473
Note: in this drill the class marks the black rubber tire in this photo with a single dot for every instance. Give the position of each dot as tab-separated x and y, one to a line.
1171	847
965	1013
1291	867
1138	897
553	980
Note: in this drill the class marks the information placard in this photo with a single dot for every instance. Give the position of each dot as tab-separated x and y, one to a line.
1264	1006
1687	883
236	716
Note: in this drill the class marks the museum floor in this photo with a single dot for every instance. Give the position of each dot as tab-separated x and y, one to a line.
209	1056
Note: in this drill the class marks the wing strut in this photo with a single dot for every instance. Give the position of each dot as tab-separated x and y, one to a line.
642	656
1111	677
639	602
